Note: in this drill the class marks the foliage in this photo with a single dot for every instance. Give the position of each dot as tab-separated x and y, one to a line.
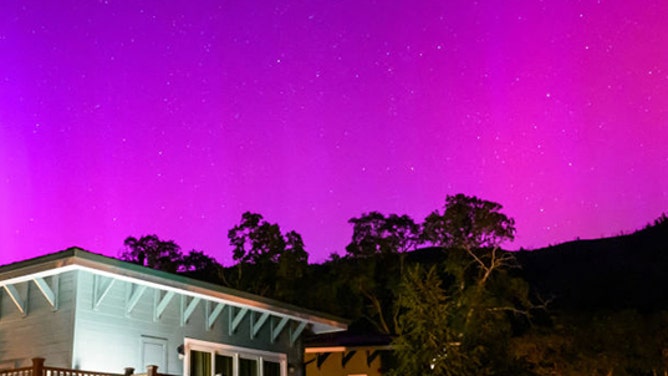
476	295
274	260
461	308
476	320
255	240
292	265
605	343
428	343
328	288
374	234
378	239
166	255
152	252
202	266
376	281
468	222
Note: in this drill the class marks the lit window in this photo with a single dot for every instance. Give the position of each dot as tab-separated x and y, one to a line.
216	359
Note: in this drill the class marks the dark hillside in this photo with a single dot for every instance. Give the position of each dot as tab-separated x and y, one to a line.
617	273
628	271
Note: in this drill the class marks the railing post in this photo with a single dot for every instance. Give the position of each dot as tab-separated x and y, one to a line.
129	371
152	370
37	366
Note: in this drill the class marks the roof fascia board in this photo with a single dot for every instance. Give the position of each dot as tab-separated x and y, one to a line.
334	349
79	260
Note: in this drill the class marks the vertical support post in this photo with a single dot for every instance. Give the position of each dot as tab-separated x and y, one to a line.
37	366
152	370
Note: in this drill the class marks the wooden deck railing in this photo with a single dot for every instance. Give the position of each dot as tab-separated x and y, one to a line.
39	369
26	371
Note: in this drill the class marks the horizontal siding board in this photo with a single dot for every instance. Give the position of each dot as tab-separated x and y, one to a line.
43	331
121	331
82	335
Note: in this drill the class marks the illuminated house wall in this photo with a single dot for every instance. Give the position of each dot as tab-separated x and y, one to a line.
352	363
31	326
350	353
84	311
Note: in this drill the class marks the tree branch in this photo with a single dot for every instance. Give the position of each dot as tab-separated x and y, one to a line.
378	307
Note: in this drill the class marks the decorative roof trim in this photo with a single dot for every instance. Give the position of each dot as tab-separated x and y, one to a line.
77	259
337	349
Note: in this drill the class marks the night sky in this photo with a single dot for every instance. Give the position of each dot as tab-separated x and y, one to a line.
123	118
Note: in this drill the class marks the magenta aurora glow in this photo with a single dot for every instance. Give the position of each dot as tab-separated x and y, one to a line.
123	118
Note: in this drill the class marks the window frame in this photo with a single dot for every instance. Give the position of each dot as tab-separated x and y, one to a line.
236	353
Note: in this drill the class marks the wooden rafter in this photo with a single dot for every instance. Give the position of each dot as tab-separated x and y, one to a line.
50	293
371	356
16	298
345	358
256	324
101	287
296	332
132	277
212	315
277	327
321	359
134	294
236	318
187	308
161	303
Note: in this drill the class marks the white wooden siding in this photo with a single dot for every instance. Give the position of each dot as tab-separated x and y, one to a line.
108	337
42	330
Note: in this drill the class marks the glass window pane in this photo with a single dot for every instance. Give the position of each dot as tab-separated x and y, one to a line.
270	368
200	363
247	367
223	365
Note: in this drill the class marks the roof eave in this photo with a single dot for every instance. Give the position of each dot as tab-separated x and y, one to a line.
74	258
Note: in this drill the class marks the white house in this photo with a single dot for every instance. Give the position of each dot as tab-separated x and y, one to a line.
84	311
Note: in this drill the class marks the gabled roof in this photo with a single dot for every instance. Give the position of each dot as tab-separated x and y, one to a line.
77	259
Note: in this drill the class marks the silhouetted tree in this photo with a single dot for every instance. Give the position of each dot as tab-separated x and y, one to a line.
468	222
476	301
382	241
166	255
202	266
275	259
374	233
428	342
152	252
292	265
476	227
255	240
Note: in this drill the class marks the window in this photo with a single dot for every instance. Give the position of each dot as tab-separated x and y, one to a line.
216	359
270	368
247	367
224	365
200	363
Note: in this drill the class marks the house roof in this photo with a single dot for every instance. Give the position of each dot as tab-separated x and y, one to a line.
347	341
77	259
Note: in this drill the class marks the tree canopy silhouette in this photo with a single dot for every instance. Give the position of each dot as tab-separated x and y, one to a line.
374	233
152	252
166	255
276	260
455	319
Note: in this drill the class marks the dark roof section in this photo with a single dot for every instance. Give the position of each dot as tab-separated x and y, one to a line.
348	339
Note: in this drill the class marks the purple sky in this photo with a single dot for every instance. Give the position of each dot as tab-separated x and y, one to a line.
123	118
